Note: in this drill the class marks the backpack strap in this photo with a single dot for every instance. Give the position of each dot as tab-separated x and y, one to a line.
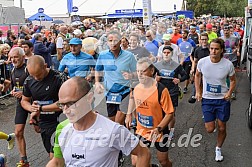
160	88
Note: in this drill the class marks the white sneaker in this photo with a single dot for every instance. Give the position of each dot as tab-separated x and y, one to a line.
11	143
218	156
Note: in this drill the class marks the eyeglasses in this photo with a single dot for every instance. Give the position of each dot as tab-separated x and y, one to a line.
72	104
204	39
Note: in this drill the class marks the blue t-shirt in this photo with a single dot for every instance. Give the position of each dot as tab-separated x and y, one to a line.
113	68
152	47
186	47
77	65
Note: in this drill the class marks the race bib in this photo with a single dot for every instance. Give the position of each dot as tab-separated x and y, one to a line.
167	74
145	121
114	98
43	103
213	88
18	88
228	50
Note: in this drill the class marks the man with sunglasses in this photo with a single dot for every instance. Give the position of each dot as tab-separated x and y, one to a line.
40	95
87	138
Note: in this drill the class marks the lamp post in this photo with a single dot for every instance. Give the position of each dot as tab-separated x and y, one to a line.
21	3
185	5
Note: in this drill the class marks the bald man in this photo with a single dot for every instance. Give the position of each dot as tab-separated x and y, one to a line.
151	44
18	76
75	99
41	88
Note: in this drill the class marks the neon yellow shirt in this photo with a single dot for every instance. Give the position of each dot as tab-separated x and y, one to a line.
212	36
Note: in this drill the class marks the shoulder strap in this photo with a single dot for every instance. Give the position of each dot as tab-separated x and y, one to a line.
160	88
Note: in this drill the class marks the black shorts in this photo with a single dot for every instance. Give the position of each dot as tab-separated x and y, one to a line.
21	114
113	108
46	135
187	67
162	146
235	63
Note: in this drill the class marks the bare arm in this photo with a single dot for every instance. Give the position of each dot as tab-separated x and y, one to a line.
152	58
197	81
131	108
166	120
181	58
232	87
56	162
51	107
194	64
59	53
98	85
26	104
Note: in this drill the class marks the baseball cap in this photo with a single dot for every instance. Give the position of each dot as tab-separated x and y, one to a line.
166	37
75	41
77	32
209	26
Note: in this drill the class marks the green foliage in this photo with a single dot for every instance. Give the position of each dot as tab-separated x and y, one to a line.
229	8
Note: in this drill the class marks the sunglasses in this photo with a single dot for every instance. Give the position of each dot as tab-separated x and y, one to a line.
148	36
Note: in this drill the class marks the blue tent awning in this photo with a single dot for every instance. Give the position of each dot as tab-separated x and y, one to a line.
40	17
123	15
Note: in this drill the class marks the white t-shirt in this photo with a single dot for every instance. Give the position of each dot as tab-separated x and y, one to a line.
59	43
97	146
214	77
176	52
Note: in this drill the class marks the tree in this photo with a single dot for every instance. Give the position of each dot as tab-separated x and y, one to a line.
229	8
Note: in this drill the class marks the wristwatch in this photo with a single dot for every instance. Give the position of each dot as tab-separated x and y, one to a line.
159	129
40	108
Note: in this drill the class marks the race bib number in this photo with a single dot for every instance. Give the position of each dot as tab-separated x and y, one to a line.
145	121
213	88
114	98
167	74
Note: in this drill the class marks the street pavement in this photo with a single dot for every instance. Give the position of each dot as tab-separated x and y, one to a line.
192	146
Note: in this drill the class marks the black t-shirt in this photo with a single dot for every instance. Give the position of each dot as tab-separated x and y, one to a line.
18	76
168	71
200	53
194	37
46	92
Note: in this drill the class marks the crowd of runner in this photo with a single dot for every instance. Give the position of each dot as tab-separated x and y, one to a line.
137	68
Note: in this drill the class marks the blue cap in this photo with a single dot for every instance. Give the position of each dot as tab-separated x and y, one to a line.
75	41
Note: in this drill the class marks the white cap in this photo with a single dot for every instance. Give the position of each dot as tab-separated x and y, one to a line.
77	32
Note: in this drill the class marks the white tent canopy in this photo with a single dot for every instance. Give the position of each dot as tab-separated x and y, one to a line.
58	8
